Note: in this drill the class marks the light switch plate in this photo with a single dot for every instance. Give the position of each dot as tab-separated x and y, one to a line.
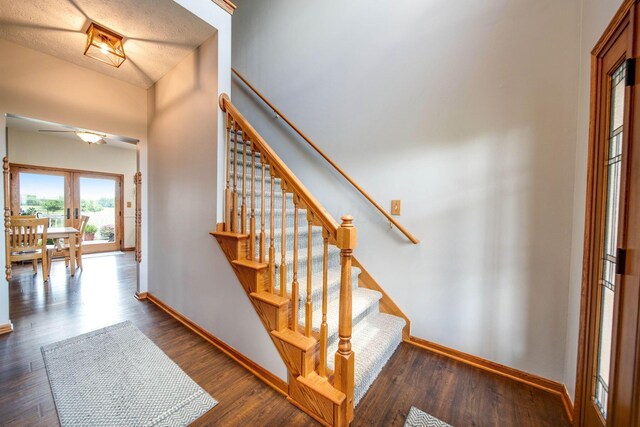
395	207
128	204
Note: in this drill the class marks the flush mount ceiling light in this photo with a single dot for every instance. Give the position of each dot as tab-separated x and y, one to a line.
91	138
104	45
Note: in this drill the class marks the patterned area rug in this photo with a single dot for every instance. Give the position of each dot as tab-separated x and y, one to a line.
417	418
117	377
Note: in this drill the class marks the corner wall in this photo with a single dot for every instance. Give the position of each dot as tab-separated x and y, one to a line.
466	111
188	270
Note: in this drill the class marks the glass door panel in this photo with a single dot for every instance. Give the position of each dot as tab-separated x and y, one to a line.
98	197
607	282
45	195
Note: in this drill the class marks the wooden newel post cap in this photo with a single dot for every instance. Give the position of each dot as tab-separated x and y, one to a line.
221	100
347	234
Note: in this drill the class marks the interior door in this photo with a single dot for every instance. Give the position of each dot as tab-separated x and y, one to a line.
99	197
607	388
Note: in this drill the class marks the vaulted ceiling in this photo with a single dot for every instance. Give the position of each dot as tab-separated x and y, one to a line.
158	33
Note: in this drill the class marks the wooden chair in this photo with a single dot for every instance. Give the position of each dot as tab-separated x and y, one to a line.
34	262
28	241
63	249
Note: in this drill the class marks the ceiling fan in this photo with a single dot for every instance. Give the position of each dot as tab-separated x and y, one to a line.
86	136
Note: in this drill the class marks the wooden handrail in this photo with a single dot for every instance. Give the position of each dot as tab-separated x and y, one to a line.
403	230
281	169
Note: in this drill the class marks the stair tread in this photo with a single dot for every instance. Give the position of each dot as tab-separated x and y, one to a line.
269	298
257	177
251	264
295	338
373	342
229	234
362	300
322	384
316	251
333	281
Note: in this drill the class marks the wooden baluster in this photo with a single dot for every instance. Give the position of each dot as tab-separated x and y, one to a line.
322	370
272	229
7	218
309	306
234	211
283	242
294	283
263	235
243	208
252	221
344	359
137	178
227	190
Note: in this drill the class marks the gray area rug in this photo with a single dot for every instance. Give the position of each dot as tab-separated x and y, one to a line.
417	418
116	376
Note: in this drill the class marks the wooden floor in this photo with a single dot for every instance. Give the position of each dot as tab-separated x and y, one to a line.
103	295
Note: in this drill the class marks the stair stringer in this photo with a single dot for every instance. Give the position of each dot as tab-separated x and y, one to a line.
308	391
387	305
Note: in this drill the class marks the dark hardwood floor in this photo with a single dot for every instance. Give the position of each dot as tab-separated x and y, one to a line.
103	295
454	392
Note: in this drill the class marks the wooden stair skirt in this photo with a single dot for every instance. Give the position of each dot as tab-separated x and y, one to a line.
307	390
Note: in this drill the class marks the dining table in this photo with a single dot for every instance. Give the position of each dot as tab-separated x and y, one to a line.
71	234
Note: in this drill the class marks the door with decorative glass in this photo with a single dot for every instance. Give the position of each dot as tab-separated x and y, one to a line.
608	376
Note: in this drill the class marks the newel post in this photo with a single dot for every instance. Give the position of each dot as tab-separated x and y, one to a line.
344	362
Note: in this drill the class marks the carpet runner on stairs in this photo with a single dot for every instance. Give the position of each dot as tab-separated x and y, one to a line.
375	335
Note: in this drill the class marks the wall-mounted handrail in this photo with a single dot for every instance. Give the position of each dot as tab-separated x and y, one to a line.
403	230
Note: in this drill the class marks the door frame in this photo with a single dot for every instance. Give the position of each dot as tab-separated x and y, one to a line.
73	195
624	20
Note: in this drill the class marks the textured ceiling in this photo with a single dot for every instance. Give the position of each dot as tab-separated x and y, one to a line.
158	33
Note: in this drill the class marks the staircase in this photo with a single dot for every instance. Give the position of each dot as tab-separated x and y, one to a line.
332	324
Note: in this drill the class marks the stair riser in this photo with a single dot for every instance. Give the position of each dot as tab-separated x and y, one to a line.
277	199
365	377
277	217
332	324
333	290
333	262
257	177
239	162
332	336
303	241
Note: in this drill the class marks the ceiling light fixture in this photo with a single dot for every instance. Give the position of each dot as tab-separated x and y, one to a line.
104	45
91	138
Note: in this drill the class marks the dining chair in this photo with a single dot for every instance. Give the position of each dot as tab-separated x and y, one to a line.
62	249
28	241
34	262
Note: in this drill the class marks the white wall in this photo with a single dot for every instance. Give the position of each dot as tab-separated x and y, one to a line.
41	149
36	85
188	270
596	15
466	111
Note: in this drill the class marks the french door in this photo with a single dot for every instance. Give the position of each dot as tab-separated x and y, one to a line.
608	381
64	196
